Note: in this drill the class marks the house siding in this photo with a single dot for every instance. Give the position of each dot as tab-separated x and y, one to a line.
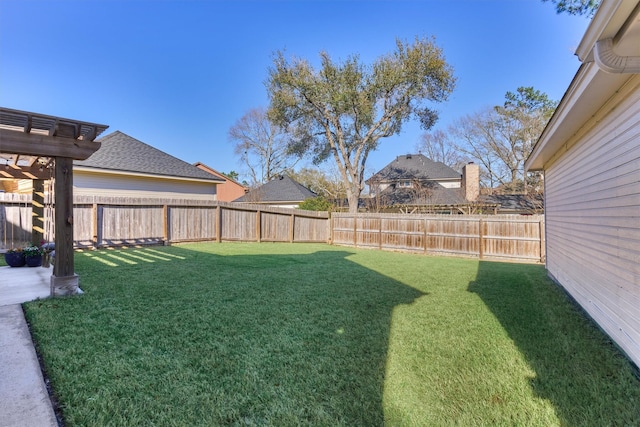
88	184
592	193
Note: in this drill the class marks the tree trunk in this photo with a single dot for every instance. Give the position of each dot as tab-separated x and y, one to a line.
353	198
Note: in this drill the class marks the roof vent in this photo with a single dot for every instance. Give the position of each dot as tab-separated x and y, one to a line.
408	156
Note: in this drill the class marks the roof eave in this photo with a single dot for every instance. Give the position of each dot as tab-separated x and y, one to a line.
90	169
589	90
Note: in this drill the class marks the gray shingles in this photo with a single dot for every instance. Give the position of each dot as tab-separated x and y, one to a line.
121	152
432	194
415	166
280	189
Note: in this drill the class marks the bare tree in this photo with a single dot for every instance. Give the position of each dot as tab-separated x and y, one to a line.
436	146
262	146
499	138
323	182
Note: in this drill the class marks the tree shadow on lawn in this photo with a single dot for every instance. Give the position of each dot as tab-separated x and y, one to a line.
576	366
255	339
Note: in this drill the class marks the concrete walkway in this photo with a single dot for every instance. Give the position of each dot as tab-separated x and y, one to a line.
24	400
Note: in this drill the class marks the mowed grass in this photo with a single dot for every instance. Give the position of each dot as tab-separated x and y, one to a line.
304	334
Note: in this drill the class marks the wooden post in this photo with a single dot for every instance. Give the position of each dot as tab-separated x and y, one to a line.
380	233
165	224
258	225
64	280
426	235
480	240
95	225
330	224
292	225
218	223
355	231
37	212
543	246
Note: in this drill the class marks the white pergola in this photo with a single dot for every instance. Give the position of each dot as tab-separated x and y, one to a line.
36	146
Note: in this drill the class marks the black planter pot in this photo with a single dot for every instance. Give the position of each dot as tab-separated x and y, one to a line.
14	259
34	260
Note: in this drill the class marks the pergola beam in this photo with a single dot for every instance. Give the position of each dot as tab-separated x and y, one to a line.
24	172
34	144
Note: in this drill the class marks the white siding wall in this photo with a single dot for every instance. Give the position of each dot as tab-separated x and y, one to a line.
593	222
451	184
89	184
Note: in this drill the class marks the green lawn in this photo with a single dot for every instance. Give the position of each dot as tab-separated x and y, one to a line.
304	334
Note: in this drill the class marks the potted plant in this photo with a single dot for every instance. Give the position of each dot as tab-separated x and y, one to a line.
14	257
33	256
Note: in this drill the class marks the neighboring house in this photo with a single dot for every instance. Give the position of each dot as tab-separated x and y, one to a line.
281	192
126	167
415	183
230	189
590	154
414	171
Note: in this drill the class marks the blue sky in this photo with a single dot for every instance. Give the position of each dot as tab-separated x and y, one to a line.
178	74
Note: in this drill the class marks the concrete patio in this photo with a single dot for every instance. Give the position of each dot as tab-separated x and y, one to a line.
22	284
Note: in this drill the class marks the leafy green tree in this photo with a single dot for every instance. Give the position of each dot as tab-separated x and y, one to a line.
576	7
343	109
232	175
316	204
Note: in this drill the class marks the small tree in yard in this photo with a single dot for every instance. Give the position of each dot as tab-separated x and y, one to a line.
343	109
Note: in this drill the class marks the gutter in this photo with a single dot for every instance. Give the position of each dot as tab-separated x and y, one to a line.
611	62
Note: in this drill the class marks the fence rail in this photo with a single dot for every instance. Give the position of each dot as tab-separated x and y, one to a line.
113	221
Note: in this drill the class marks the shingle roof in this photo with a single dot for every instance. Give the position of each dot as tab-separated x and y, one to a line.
280	189
527	203
415	166
121	152
435	194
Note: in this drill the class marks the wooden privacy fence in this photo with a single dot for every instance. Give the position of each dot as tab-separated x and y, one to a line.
15	219
112	221
115	221
482	236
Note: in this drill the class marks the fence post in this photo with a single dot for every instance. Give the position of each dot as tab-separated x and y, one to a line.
165	224
543	252
380	233
330	223
426	235
95	225
292	225
481	240
258	225
355	231
219	223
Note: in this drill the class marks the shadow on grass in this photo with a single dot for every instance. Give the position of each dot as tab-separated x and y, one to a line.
185	337
577	368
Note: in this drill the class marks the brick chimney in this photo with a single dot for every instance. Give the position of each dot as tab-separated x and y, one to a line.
471	181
